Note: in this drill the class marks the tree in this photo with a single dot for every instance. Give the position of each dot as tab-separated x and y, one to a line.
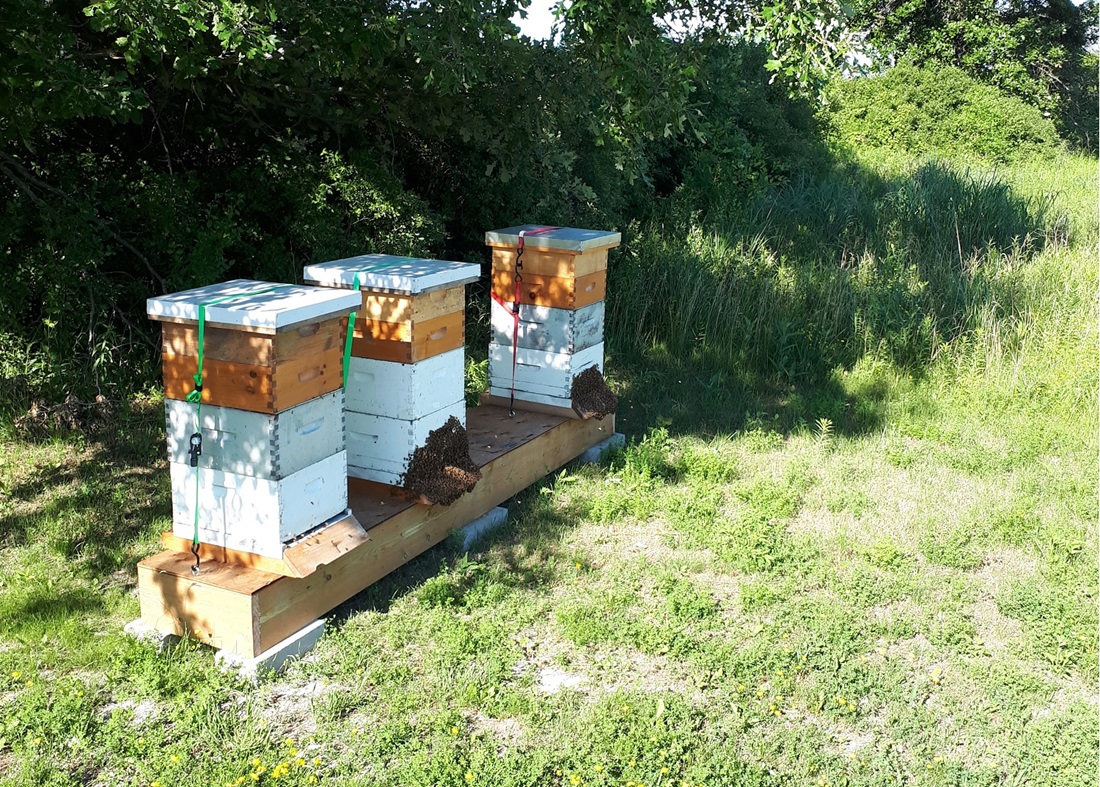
1034	49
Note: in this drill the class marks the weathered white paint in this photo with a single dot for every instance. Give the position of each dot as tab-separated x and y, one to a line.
255	514
392	274
379	448
406	390
541	372
273	311
549	329
258	444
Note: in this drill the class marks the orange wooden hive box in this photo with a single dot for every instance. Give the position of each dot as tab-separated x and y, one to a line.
267	347
411	308
563	267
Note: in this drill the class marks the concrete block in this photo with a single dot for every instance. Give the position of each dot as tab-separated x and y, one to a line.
473	532
596	452
147	635
274	658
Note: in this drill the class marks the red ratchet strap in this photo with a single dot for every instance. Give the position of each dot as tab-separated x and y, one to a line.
515	309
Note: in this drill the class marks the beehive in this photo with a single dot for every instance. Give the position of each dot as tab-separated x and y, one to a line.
406	374
559	331
273	458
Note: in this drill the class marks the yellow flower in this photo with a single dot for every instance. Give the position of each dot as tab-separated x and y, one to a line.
156	784
454	730
289	741
16	675
256	763
299	762
599	768
664	771
175	758
469	776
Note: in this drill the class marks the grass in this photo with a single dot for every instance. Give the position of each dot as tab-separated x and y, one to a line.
864	574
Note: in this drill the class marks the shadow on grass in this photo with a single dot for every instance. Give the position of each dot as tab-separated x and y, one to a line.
95	503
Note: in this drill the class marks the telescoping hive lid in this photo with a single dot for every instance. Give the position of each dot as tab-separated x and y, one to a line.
390	273
260	306
559	238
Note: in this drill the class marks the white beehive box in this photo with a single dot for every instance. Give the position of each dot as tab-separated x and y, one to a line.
379	448
537	372
567	239
256	444
406	391
254	514
548	329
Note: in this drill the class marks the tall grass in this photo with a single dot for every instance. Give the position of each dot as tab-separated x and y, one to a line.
895	259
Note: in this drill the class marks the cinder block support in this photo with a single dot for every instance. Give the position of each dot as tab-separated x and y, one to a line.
146	634
274	658
596	452
473	532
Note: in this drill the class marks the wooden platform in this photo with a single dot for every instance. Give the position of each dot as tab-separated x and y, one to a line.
246	610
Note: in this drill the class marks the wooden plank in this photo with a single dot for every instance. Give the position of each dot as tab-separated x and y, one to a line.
248	347
218	607
246	611
522	404
288	605
435	337
407	330
409	309
300	559
564	264
555	291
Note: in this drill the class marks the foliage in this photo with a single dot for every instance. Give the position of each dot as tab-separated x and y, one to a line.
1033	49
939	111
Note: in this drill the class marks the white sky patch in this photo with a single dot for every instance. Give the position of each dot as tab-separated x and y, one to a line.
540	19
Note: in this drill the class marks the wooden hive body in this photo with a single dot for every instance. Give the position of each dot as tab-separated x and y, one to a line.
538	372
379	448
253	444
265	353
406	391
255	514
412	309
549	329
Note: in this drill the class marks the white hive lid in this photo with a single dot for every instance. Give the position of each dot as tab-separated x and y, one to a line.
265	307
561	238
389	273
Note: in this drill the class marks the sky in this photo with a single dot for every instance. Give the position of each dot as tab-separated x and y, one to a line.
539	20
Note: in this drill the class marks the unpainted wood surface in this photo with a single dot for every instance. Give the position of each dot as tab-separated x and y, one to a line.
513	453
430	338
409	309
257	349
555	291
261	389
547	262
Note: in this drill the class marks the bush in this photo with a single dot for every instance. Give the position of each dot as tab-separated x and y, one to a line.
939	112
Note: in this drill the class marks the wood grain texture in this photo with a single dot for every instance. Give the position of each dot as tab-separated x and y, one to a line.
247	611
430	338
260	389
547	262
555	291
258	349
410	309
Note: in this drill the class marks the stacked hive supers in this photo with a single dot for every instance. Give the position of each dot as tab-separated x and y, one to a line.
406	373
561	310
273	462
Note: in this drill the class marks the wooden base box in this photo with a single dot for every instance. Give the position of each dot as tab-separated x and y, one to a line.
253	514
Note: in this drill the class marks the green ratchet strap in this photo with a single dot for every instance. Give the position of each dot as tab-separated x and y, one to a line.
195	398
355	285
